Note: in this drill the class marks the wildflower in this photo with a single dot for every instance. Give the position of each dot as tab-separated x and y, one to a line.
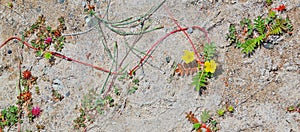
36	111
48	40
188	56
210	66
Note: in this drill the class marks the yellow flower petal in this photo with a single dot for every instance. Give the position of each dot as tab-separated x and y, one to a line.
210	66
188	56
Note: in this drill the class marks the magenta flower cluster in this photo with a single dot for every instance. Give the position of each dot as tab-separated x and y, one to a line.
36	111
48	40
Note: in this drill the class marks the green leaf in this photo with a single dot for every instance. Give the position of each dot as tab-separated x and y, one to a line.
259	24
132	90
271	14
277	27
269	2
289	24
136	81
209	51
205	116
221	112
230	108
39	53
48	55
196	126
251	44
48	28
200	80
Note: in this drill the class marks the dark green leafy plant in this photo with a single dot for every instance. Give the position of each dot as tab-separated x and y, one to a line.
79	122
251	44
200	80
269	2
205	116
253	35
259	24
209	51
222	111
9	116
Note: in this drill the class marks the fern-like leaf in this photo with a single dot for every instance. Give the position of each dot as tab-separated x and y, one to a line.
251	44
209	51
259	24
205	116
232	34
200	80
277	27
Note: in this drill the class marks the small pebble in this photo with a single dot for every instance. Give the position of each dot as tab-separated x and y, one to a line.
190	30
268	45
38	9
61	1
9	51
168	59
83	4
67	94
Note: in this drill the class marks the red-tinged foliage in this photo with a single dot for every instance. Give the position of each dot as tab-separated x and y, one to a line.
26	74
25	96
280	8
191	117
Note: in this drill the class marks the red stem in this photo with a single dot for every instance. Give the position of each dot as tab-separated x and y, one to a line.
161	39
185	33
57	55
154	45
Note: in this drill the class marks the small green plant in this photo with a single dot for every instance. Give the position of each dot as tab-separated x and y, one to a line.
132	89
253	34
222	111
210	66
294	108
207	123
269	2
48	55
9	116
10	5
80	122
45	36
92	104
134	86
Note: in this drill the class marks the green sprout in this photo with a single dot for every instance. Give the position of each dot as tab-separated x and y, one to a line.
230	108
48	55
221	112
205	116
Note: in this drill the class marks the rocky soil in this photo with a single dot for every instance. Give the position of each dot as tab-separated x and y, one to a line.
260	86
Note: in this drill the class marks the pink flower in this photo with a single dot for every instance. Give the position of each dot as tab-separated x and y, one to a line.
36	111
48	40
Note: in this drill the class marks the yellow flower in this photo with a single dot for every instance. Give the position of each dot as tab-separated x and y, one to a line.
188	56
210	66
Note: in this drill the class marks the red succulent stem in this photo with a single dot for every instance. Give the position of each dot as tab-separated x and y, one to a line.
167	35
152	47
56	54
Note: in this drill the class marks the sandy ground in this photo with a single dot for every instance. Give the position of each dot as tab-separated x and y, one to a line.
259	87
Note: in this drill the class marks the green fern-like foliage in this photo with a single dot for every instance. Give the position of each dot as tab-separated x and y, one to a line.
250	44
259	24
231	36
289	24
209	51
247	22
200	79
277	27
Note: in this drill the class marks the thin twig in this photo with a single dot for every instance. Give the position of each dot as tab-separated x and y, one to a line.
79	33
